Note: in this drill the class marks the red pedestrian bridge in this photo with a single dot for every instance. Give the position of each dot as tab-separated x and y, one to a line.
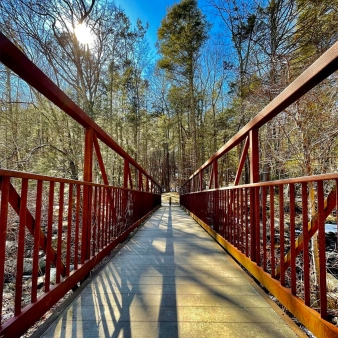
266	227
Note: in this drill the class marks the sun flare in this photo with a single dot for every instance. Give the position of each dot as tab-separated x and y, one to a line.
83	34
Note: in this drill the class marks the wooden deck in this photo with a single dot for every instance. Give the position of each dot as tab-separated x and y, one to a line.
171	279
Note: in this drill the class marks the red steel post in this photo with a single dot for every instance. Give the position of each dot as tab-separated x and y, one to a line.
5	182
59	233
49	235
87	177
254	177
322	250
36	241
21	247
201	180
272	231
281	234
264	226
69	226
292	240
306	258
215	169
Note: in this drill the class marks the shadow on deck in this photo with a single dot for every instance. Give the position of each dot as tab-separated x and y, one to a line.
170	280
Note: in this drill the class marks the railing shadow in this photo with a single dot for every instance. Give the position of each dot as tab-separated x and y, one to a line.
129	296
140	292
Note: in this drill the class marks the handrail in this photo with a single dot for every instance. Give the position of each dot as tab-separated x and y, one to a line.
21	174
94	227
18	62
97	216
316	73
248	220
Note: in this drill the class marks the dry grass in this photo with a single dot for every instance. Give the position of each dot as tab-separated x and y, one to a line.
175	197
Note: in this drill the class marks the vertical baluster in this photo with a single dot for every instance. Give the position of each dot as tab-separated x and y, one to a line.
257	226
237	220
117	210
226	225
232	217
111	215
59	244
246	223
106	233
242	221
231	214
306	259
103	216
90	220
49	235
121	209
322	250
21	246
292	240
37	227
99	213
69	227
113	212
5	182
224	213
113	192
94	246
252	226
216	210
77	226
281	235
264	225
272	230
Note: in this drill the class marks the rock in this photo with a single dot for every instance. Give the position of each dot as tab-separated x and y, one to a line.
7	316
11	286
332	284
28	265
11	245
42	264
41	282
53	275
7	296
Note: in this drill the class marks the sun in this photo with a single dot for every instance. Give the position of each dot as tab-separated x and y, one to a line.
83	34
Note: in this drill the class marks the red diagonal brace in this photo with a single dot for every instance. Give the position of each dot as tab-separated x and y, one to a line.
15	201
242	161
100	159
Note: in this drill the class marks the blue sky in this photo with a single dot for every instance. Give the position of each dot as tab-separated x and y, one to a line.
151	11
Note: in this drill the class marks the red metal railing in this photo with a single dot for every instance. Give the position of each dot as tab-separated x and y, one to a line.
61	228
268	226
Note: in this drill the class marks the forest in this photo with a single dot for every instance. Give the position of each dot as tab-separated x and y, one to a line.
170	110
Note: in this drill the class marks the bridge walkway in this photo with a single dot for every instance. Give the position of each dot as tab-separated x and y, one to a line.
171	279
